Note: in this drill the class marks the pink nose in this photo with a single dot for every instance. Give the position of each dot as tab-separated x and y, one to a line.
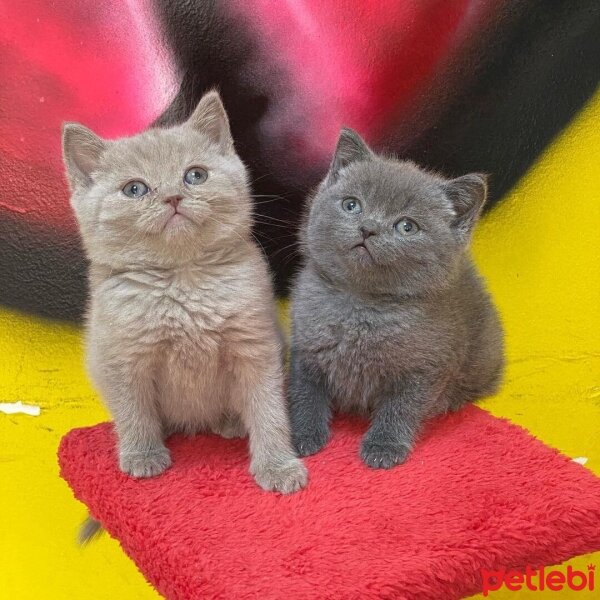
173	201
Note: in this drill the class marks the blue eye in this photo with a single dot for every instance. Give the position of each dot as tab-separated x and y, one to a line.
352	205
406	227
195	176
135	189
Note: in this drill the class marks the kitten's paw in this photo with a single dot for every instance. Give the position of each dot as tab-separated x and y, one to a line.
382	455
146	463
284	477
310	443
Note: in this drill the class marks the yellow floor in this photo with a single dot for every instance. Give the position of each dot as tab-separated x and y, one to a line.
539	252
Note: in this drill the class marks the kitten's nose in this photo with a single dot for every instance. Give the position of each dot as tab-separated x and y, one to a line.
173	201
367	230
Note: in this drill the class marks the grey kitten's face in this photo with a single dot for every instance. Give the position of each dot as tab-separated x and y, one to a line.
163	197
379	225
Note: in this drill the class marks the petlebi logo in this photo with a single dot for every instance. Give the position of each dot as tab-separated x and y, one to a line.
538	580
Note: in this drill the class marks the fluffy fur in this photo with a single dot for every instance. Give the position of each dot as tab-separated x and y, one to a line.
392	324
181	331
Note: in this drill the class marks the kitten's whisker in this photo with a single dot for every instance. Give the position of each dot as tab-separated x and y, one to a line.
294	215
280	207
271	197
261	177
292	245
289	257
269	224
275	219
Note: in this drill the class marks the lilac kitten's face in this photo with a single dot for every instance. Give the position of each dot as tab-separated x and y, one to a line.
163	197
387	226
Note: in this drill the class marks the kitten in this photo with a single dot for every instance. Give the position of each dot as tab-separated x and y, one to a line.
181	328
389	316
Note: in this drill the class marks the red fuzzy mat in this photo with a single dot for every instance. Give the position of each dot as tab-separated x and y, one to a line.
477	492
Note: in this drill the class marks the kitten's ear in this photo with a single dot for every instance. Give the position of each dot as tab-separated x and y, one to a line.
210	118
467	194
82	150
350	148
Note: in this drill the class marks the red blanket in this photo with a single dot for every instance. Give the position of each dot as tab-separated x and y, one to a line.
477	493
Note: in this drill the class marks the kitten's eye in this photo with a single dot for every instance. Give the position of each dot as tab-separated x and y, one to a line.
135	189
406	227
352	205
195	176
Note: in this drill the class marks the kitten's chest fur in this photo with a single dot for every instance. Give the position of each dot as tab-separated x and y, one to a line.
178	312
358	344
173	323
350	351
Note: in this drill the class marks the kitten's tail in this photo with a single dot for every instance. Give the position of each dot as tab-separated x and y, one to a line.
89	530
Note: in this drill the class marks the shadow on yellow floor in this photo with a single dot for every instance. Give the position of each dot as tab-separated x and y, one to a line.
539	253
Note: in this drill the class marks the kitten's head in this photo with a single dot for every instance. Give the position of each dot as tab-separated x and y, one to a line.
163	197
378	225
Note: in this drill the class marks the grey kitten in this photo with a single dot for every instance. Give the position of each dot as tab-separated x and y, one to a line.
389	316
181	328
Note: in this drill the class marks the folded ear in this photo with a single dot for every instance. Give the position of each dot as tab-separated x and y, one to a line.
210	118
467	194
82	150
350	148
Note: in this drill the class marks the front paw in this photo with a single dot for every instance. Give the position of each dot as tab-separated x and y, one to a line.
145	463
310	443
383	455
284	477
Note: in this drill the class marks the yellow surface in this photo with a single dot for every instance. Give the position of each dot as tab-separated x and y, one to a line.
539	253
